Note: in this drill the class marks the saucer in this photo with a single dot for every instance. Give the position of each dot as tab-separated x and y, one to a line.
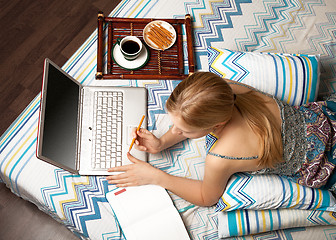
135	64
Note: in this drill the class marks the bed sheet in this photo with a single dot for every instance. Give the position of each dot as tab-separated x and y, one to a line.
285	26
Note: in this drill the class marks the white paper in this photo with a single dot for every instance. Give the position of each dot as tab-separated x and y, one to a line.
146	212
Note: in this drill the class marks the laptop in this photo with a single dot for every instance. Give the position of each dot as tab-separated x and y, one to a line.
87	129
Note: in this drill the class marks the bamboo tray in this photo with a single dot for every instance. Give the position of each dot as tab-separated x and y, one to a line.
167	64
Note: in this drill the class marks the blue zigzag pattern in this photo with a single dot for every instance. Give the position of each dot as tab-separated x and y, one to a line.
113	236
236	191
263	25
317	218
231	62
239	71
86	208
212	55
288	232
330	233
285	234
212	24
169	159
172	159
157	97
204	225
270	24
281	13
88	196
329	62
325	41
196	162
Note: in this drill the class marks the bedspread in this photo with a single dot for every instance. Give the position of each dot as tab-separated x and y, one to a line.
283	26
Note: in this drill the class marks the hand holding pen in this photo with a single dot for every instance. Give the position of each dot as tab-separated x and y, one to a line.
145	140
133	140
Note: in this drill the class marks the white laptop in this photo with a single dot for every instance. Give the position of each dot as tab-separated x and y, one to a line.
86	129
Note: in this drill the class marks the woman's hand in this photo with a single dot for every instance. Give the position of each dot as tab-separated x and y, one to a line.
138	173
146	141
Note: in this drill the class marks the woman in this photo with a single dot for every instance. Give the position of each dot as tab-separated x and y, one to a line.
246	131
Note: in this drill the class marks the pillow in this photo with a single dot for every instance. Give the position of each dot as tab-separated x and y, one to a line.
270	191
291	78
245	222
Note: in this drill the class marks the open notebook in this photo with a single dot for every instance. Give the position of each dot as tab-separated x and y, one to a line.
146	212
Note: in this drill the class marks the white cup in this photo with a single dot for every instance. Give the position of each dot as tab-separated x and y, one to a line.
130	47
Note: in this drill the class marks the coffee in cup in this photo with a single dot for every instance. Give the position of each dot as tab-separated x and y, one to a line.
130	47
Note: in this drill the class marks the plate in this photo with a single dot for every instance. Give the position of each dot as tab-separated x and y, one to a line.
135	64
162	40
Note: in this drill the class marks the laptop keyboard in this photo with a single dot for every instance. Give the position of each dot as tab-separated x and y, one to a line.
108	130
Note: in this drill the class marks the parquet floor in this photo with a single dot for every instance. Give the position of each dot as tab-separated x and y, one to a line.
30	31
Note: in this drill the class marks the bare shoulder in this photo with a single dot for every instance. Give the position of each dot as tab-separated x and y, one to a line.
218	166
234	144
271	104
230	166
241	88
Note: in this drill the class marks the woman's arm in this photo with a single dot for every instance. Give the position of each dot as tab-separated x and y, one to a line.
201	193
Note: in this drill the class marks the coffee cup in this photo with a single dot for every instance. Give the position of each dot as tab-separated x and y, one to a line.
130	47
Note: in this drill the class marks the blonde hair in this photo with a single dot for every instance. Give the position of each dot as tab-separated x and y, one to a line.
204	100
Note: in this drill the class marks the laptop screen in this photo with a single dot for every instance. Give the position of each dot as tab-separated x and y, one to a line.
60	117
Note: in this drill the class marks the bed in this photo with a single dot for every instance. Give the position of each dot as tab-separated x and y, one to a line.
280	209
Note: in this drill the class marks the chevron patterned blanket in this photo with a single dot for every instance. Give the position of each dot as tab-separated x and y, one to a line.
280	26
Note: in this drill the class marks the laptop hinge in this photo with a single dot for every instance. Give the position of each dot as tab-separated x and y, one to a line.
79	127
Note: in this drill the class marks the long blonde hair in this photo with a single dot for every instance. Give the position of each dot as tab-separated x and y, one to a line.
204	100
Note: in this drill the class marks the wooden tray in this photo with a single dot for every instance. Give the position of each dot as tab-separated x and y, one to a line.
167	64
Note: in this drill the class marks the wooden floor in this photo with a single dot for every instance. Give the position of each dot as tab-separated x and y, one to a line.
29	32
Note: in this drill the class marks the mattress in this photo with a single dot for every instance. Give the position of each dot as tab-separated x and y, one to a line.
78	202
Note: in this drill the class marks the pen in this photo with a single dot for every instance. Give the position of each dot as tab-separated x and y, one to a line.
133	140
